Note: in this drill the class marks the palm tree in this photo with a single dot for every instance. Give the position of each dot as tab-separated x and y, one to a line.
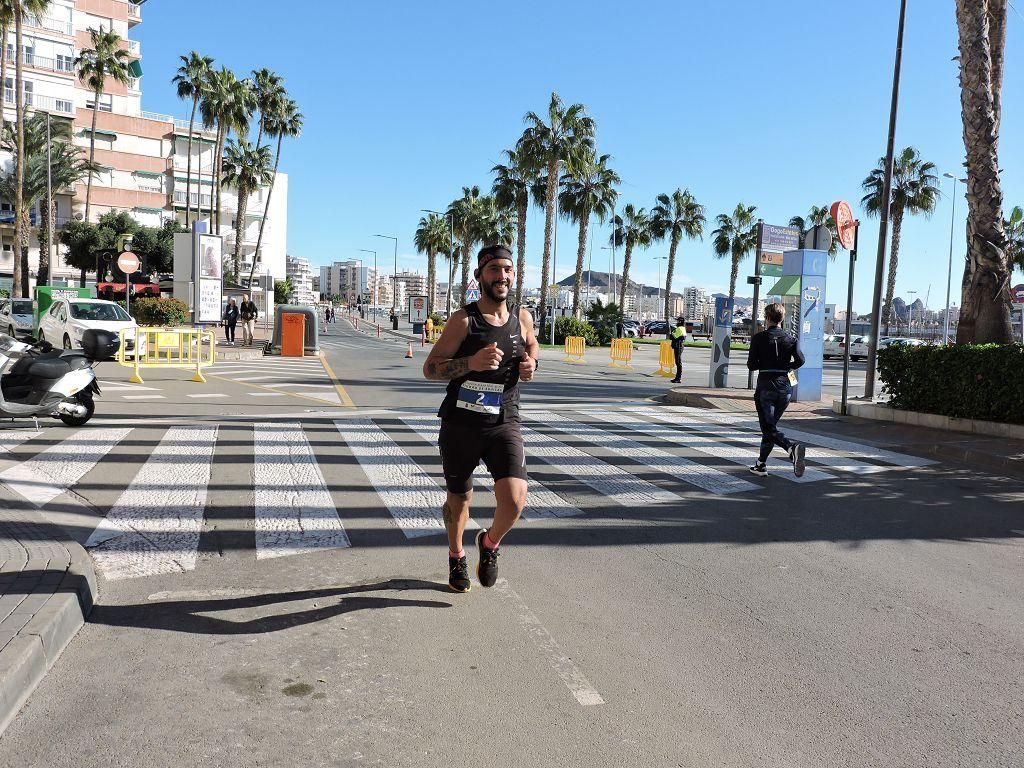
674	217
816	217
511	189
19	9
1014	228
106	58
588	189
67	167
566	135
985	300
269	96
193	74
285	122
227	104
432	237
915	189
466	212
631	230
735	237
247	169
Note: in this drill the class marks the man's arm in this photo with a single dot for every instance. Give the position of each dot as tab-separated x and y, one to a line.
441	364
528	366
752	364
798	356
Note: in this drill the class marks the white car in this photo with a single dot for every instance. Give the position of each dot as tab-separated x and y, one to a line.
16	317
833	345
66	319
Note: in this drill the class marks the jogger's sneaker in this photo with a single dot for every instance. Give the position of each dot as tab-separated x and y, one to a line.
760	469
458	574
797	453
487	569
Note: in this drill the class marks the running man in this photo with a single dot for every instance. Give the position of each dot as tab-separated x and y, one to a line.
775	355
485	350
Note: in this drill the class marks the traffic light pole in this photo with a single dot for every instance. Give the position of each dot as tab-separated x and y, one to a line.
754	317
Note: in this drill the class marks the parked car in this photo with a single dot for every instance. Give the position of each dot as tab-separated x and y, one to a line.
657	328
891	340
834	344
16	317
859	347
66	320
630	328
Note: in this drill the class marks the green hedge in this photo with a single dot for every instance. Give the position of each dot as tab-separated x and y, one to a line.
983	382
160	312
570	326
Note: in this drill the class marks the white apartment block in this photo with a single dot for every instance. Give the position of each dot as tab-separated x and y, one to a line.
301	275
143	154
349	280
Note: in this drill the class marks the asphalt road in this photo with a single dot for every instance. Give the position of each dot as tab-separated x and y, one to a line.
666	609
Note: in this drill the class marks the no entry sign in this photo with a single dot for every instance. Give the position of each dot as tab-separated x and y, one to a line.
128	262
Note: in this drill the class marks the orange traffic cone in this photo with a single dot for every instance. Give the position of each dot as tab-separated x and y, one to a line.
408	352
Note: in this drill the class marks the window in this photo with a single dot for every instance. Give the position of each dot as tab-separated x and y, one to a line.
106	103
65	63
63	105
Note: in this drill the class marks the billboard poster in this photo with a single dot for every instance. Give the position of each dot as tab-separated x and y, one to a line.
208	309
210	257
208	271
775	241
417	309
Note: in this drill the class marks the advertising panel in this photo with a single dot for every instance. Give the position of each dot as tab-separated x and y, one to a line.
775	241
417	309
208	269
718	375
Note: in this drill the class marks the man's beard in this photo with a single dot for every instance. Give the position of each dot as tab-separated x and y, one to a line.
489	292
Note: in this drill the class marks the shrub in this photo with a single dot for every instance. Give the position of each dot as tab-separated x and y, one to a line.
570	326
437	318
965	381
160	312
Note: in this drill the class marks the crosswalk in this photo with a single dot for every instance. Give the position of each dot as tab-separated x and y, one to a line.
306	486
277	377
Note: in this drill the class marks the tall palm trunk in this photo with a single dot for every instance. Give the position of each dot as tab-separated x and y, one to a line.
219	150
465	272
188	177
236	260
549	227
431	279
20	286
625	275
894	259
734	274
266	208
521	207
581	252
670	271
985	302
4	30
92	150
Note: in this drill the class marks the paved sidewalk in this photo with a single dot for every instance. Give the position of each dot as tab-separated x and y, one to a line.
47	589
741	401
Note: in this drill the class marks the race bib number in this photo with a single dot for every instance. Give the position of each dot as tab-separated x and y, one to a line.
480	397
792	378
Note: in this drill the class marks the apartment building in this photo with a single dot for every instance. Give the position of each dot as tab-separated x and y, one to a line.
143	155
348	279
301	275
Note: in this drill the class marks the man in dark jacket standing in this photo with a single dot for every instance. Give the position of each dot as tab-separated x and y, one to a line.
775	355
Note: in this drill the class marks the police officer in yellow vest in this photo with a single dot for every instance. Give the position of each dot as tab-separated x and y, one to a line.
677	337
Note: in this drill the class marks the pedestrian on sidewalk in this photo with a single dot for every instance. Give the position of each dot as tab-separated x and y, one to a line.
485	350
677	338
249	313
775	355
230	320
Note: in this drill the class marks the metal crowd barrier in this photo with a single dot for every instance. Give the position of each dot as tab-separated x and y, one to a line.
666	360
575	347
622	353
190	348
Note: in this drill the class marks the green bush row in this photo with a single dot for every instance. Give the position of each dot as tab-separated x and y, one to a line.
983	382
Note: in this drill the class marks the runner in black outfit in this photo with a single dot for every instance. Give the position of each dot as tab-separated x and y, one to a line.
774	354
484	351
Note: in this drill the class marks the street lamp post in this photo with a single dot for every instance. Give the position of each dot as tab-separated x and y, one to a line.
394	294
376	278
910	314
657	309
949	273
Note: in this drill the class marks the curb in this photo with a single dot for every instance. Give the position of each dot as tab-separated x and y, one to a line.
880	412
33	650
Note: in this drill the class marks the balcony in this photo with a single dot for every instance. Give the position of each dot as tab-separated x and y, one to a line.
203	201
64	64
37	101
134	13
133	84
134	48
50	23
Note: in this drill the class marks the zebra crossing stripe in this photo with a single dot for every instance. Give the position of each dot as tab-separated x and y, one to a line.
607	480
154	526
700	442
295	513
692	472
411	495
9	440
52	472
861	450
542	503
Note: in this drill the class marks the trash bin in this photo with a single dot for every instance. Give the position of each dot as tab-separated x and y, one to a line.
293	334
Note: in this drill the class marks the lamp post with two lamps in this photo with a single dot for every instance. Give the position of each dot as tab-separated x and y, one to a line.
949	273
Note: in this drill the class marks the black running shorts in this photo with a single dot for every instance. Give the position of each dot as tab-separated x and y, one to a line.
464	446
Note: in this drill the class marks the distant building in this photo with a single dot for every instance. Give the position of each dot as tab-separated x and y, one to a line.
347	279
301	275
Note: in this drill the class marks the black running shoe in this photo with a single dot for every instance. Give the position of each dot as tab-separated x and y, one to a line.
760	469
797	453
487	570
458	574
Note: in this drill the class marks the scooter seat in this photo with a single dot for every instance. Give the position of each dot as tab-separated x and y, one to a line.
48	368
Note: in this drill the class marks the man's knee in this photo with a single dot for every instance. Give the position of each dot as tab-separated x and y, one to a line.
460	498
511	491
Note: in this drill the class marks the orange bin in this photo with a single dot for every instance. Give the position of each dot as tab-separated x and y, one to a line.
293	334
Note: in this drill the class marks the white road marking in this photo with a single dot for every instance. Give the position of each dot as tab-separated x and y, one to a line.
570	674
266	394
861	450
294	510
541	504
608	480
209	395
154	526
413	498
52	472
143	397
702	443
11	439
692	472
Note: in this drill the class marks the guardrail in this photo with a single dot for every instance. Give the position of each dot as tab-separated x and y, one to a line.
575	348
666	360
621	353
190	348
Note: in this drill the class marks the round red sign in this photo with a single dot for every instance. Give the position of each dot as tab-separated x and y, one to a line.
846	226
1017	294
128	262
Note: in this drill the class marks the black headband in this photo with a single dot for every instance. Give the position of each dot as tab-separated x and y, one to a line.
490	253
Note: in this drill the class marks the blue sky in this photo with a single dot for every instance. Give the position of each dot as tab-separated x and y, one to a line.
780	105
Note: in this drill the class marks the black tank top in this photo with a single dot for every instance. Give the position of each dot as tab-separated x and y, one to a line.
487	397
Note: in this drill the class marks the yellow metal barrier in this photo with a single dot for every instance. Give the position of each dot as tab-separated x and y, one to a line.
575	347
622	353
666	360
190	348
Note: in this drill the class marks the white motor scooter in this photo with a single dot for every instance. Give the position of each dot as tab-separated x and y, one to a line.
41	381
